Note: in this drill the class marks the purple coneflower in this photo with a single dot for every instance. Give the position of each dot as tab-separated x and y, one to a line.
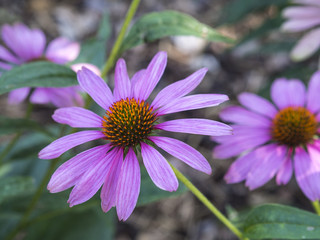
28	45
302	18
275	139
130	125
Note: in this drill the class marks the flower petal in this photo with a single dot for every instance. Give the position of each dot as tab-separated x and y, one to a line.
257	104
40	96
151	77
78	66
313	101
268	161
300	12
178	89
243	138
307	171
95	87
61	145
242	116
158	169
108	191
285	172
307	2
128	187
69	173
122	84
61	50
193	102
24	42
298	25
196	126
7	56
77	117
91	180
18	95
287	93
184	152
306	46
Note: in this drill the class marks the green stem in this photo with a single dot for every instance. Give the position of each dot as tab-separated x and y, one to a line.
116	47
316	206
207	203
14	140
24	220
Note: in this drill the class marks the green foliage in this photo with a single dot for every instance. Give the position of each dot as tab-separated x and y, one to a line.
157	25
15	186
281	222
238	9
37	74
13	125
94	49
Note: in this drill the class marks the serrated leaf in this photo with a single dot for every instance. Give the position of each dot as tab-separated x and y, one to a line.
157	25
13	125
281	222
37	74
15	186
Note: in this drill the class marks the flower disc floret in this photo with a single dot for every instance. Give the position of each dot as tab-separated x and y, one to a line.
294	126
128	122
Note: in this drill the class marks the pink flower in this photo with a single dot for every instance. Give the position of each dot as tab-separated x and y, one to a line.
274	140
27	45
302	18
130	125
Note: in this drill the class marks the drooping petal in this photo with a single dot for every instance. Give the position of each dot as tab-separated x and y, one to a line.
300	12
287	93
158	169
108	191
61	145
65	97
184	152
95	87
40	96
91	180
61	50
77	117
18	95
313	101
151	77
196	126
26	43
268	161
69	173
285	172
243	138
128	187
307	171
7	56
298	25
178	89
306	46
240	168
122	84
192	102
257	104
242	116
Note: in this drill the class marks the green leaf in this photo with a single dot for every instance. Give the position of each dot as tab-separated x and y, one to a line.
238	9
151	193
157	25
281	222
15	186
13	125
89	224
37	74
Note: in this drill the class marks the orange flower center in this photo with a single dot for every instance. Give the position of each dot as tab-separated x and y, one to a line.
294	126
128	122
